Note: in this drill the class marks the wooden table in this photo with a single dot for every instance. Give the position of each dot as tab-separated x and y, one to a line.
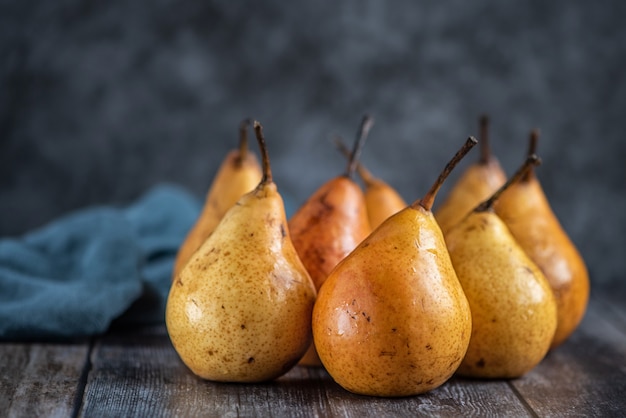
137	373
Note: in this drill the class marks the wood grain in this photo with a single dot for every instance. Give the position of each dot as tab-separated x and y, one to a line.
41	380
138	373
142	375
586	376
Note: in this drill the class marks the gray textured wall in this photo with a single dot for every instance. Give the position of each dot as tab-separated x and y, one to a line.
99	100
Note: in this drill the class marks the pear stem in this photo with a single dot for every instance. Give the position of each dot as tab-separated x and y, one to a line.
243	140
364	128
531	161
429	198
485	150
267	169
532	149
363	172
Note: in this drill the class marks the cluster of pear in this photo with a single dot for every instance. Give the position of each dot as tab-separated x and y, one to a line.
391	298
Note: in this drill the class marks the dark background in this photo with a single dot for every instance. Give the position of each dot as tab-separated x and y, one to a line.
100	100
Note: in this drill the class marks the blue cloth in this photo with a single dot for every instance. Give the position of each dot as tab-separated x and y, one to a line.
75	276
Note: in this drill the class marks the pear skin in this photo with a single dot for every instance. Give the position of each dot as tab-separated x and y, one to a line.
239	173
476	183
329	225
513	309
381	199
392	319
240	309
325	230
526	211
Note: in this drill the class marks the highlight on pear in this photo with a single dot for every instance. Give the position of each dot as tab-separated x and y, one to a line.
526	211
331	223
392	319
391	299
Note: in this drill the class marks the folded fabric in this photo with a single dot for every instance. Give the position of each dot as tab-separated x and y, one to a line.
73	277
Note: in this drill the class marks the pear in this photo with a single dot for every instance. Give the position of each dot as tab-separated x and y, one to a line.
381	200
475	184
330	224
240	309
513	309
391	319
526	211
238	174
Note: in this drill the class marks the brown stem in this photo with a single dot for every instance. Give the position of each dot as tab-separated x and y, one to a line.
364	128
364	173
267	169
531	161
485	150
429	198
243	140
532	149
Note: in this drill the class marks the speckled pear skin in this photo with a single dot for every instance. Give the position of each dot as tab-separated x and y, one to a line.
240	310
235	177
392	319
527	213
330	224
479	181
513	309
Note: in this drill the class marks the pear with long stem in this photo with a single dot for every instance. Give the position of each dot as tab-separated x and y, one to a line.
526	211
391	319
513	309
239	173
240	309
331	223
475	184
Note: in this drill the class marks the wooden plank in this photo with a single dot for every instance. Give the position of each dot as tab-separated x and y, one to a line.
141	375
41	380
586	376
457	397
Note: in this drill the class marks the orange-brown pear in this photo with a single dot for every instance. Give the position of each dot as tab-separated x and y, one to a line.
513	308
330	224
475	184
239	173
381	200
391	318
526	211
240	309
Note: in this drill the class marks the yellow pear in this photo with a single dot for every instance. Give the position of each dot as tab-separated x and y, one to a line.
391	319
381	200
330	224
239	173
526	211
475	184
513	309
240	309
